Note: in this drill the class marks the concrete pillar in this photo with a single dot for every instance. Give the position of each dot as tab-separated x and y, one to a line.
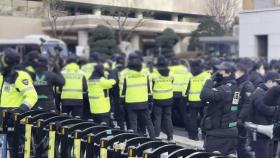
135	41
175	17
139	14
83	43
97	11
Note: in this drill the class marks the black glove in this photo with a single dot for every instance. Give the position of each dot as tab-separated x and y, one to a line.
217	77
23	108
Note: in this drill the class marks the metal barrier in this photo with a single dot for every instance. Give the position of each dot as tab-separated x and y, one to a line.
40	134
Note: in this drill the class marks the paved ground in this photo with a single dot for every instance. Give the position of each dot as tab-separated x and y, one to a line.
180	137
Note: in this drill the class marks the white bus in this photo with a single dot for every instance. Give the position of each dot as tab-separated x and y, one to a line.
44	44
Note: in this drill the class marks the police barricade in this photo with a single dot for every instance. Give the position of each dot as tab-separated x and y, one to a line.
45	134
190	153
121	148
13	126
95	145
162	150
32	141
67	135
80	143
107	144
137	151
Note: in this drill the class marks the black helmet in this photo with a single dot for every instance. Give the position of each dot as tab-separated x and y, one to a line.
72	58
227	66
134	62
94	57
162	61
120	60
10	57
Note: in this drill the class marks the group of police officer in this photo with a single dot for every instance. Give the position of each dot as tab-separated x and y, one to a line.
214	96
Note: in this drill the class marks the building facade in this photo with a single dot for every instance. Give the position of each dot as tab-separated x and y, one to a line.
81	16
259	29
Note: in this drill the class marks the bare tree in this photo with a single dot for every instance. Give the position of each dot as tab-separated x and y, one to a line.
224	11
121	20
54	9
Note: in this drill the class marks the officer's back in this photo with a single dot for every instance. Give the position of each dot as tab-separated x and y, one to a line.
74	92
44	82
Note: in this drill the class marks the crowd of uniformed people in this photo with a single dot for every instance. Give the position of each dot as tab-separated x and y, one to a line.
212	97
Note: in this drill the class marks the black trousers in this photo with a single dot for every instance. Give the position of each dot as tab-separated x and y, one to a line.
101	118
263	147
73	110
181	108
162	116
119	112
196	113
225	145
144	115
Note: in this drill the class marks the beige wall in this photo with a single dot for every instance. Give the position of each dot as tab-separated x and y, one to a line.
17	27
149	25
178	6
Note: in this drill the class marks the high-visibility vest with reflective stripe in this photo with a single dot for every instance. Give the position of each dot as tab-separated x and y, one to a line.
88	69
20	92
162	88
181	78
98	94
73	88
136	87
196	86
121	77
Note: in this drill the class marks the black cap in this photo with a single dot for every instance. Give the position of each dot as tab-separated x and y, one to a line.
162	62
43	60
10	57
242	67
99	68
228	66
272	75
133	56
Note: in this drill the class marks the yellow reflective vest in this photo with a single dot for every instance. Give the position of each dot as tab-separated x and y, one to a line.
121	76
181	78
88	69
196	85
162	87
73	88
98	94
20	92
136	87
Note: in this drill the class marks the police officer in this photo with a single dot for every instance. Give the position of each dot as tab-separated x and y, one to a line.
245	89
30	61
136	93
220	119
44	82
264	114
163	99
181	80
17	91
256	75
195	105
98	94
119	112
89	67
74	92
